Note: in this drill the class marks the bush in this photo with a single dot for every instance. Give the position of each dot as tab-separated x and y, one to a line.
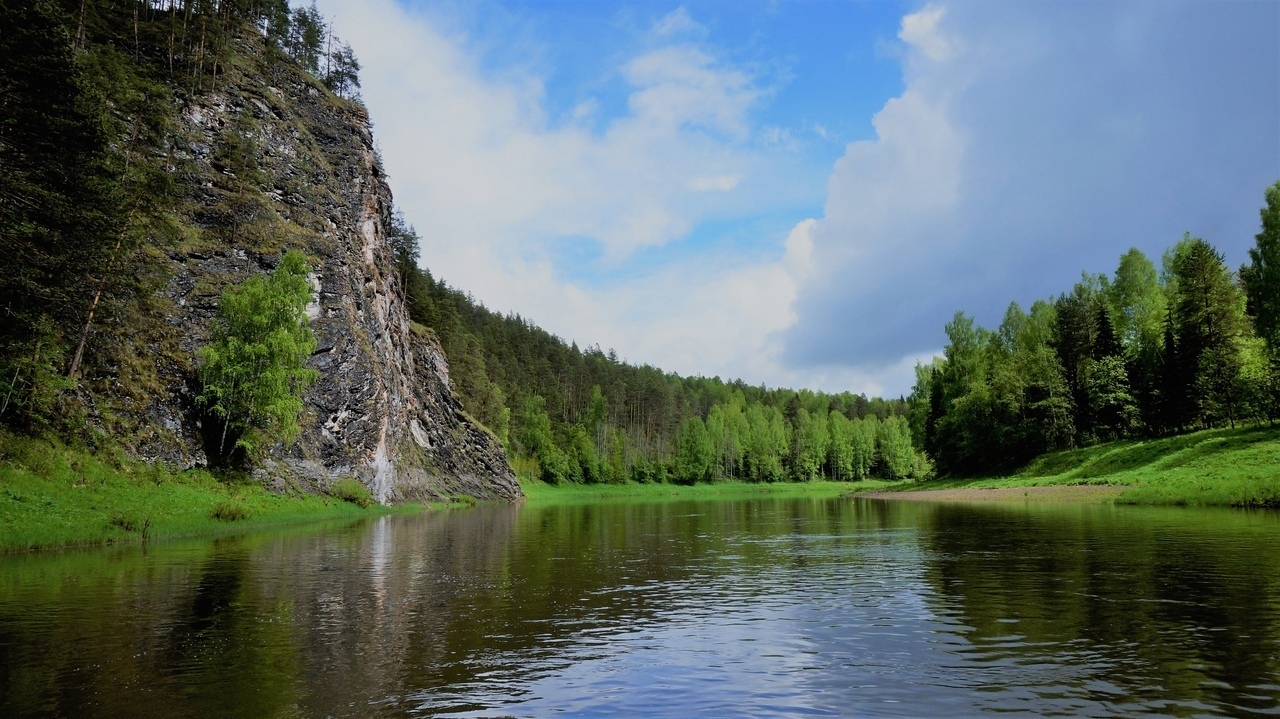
230	511
349	490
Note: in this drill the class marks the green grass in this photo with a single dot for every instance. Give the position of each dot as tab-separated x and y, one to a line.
538	491
1218	467
57	496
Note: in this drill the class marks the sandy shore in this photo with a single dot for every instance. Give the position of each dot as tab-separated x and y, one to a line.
1055	493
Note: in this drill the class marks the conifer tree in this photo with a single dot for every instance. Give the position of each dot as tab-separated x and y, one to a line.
1260	276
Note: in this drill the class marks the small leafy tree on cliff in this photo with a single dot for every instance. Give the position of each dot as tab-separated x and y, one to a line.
253	372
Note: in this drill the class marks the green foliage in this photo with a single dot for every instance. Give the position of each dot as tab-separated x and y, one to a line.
862	446
230	510
1207	314
587	416
306	36
33	390
695	453
254	369
1114	413
350	490
893	442
840	446
1260	276
812	443
1136	354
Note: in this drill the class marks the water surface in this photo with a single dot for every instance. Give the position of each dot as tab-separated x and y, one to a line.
759	607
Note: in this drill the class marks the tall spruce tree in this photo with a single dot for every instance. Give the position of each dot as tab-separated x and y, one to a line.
1260	276
1207	320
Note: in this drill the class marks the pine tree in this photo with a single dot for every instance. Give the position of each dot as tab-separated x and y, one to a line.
1207	313
1261	275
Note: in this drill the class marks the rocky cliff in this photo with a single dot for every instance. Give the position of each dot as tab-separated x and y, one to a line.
270	161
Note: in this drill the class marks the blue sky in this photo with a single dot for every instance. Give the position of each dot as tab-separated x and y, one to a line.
802	193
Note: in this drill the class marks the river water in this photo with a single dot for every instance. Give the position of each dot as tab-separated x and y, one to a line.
763	607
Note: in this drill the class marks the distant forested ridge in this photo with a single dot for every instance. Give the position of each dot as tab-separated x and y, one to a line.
583	415
1145	351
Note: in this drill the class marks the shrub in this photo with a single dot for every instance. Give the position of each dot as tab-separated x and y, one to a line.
349	490
230	511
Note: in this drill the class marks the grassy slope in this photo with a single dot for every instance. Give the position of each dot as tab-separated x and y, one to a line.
1219	467
1224	467
55	496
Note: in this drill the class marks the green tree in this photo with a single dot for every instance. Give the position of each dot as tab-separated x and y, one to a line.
1111	404
840	445
893	443
1137	303
254	369
863	446
1208	316
1260	276
811	443
695	453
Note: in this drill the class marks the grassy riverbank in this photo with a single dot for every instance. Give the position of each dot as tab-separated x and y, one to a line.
1219	467
538	491
57	496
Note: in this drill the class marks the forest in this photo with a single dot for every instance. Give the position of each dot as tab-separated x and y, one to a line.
568	414
1144	352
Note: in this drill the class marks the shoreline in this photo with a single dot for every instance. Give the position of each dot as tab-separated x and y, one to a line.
537	491
1064	493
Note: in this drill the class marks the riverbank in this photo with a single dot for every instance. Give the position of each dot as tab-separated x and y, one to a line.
1066	493
1218	467
538	491
56	496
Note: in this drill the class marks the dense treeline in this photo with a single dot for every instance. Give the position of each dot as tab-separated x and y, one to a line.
1142	352
89	183
569	414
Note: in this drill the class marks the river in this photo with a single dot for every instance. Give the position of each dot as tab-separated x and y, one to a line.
763	607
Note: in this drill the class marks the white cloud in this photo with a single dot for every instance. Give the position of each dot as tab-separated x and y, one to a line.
920	30
496	188
677	22
681	85
1033	141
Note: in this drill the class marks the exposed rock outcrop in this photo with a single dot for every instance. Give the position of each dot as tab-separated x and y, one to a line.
382	411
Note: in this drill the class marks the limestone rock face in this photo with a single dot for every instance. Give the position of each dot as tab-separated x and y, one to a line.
383	411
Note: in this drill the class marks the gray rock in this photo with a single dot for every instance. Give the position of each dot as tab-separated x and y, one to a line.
383	410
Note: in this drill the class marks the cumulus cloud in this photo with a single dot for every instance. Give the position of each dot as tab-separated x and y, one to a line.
499	189
1033	141
920	29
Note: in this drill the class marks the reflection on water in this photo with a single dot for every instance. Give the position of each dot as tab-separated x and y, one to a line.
762	607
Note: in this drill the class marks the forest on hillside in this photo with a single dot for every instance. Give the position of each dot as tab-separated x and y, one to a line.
1146	351
569	414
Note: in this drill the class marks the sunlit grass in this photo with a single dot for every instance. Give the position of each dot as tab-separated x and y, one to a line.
56	496
1218	467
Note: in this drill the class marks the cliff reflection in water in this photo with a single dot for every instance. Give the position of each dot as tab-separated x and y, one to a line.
770	607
